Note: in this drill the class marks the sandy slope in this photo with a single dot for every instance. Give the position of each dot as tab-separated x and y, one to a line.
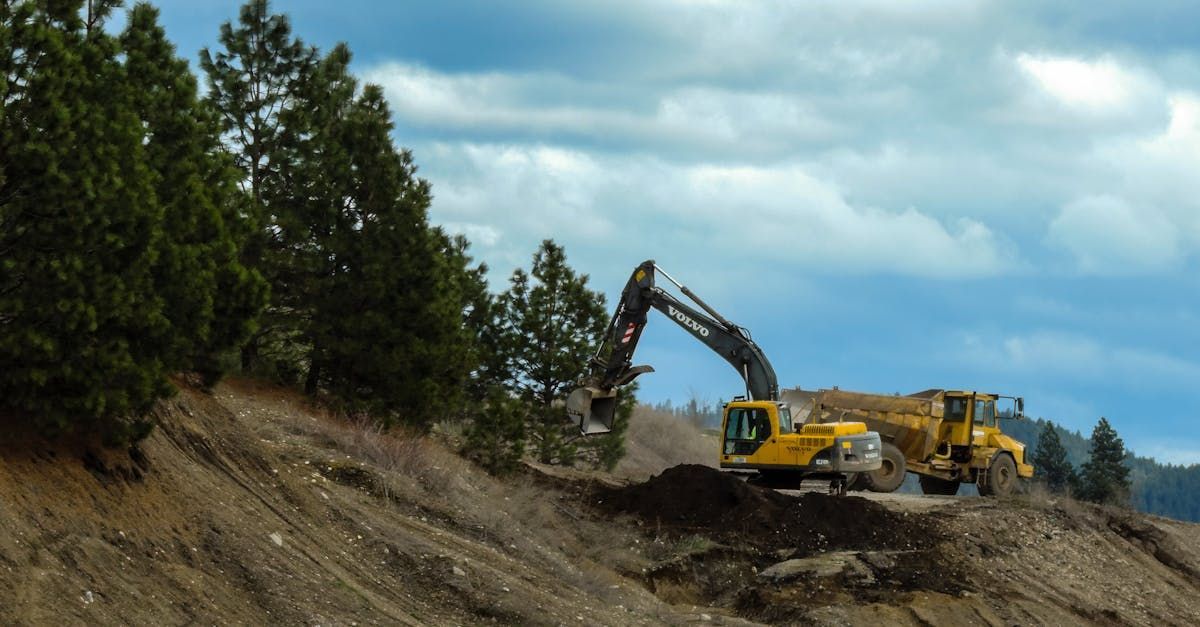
247	507
242	508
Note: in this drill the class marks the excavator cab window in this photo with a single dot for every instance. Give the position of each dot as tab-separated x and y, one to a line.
748	424
785	420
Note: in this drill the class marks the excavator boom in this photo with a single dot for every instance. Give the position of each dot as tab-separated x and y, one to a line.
593	406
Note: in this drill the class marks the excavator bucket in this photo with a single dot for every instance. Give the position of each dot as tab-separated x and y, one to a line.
593	409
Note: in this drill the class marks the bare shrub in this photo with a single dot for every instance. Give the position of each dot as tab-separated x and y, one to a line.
579	549
665	547
398	450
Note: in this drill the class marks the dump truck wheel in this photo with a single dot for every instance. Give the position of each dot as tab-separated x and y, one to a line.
934	485
1001	477
856	482
891	470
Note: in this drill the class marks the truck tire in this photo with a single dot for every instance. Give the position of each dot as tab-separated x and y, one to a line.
935	485
856	481
1001	477
890	474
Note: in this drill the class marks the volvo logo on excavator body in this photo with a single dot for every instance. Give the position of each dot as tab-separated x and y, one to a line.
687	321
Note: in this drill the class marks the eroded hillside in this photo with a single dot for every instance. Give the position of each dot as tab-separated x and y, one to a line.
247	506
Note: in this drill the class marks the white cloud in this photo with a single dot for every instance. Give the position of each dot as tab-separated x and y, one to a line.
1142	215
539	105
623	209
1107	235
816	226
478	234
1100	84
1166	166
1184	130
487	101
1089	98
516	196
1166	452
958	143
1070	356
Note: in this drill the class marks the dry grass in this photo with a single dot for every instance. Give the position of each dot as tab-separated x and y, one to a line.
542	525
665	548
516	517
657	440
400	453
521	517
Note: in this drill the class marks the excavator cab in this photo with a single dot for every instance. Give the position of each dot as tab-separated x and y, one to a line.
746	429
759	435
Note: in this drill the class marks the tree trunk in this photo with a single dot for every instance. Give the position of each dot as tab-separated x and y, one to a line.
249	355
313	379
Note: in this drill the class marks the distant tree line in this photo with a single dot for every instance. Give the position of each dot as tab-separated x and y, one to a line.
697	411
269	226
1100	469
1104	477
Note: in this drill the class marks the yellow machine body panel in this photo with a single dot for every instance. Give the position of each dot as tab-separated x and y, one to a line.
993	440
760	435
948	434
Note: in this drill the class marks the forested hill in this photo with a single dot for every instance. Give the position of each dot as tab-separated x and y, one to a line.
1164	489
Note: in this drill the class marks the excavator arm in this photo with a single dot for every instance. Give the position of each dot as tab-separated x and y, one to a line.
593	406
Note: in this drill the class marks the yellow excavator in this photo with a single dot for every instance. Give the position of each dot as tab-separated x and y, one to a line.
757	433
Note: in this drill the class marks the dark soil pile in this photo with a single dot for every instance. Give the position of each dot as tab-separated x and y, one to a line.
692	498
698	496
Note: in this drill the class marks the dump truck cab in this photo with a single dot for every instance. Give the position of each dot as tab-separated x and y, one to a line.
760	435
987	438
971	428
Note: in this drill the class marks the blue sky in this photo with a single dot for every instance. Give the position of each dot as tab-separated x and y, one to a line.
891	196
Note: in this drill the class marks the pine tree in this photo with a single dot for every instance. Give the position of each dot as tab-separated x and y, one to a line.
553	323
316	219
495	438
385	331
367	300
1105	477
81	324
1050	460
253	83
481	320
211	299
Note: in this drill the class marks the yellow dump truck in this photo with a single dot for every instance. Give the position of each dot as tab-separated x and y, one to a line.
945	437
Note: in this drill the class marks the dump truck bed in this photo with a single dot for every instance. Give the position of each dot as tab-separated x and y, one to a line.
912	423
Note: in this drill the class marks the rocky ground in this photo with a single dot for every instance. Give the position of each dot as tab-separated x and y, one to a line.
247	506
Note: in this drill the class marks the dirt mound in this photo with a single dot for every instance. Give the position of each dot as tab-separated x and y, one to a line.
692	498
691	495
